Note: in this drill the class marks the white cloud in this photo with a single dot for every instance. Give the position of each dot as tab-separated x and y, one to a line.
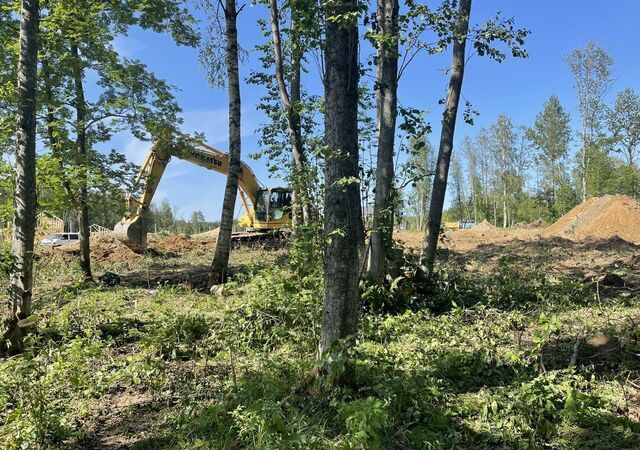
136	150
214	123
128	47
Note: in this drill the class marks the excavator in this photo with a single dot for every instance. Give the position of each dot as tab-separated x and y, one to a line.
267	209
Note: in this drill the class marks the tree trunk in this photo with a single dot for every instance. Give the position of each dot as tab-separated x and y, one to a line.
505	215
387	100
54	143
428	255
82	159
474	193
290	103
584	163
342	209
24	215
223	246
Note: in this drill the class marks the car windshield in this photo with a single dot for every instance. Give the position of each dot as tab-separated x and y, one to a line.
55	236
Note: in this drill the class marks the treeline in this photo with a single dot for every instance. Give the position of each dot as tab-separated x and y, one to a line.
163	218
509	173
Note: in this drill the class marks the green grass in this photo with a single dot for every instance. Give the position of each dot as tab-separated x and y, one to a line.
479	362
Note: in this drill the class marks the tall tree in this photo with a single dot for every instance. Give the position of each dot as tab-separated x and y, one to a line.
386	41
455	27
481	145
82	151
197	221
473	175
9	23
503	142
428	255
78	39
24	217
342	211
623	121
290	99
591	69
550	136
459	205
420	165
223	244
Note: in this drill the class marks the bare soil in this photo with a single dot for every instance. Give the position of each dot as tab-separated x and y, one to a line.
600	218
107	249
588	259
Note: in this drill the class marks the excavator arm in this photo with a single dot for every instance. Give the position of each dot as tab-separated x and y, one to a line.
132	228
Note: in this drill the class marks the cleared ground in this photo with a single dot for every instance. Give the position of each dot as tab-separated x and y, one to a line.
521	343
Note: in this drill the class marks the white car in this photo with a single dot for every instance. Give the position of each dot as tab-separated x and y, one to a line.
59	239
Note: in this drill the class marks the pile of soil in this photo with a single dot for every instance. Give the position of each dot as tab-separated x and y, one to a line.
107	249
104	248
484	226
211	235
179	243
600	218
484	229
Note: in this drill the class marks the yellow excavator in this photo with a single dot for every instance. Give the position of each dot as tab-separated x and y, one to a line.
266	209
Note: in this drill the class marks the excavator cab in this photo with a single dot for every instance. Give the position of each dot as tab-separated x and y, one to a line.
272	209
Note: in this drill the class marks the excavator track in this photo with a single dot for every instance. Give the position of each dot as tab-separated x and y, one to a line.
262	239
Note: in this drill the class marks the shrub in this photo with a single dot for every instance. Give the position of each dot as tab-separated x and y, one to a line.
177	335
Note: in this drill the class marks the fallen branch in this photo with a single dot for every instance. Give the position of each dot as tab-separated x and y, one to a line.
576	350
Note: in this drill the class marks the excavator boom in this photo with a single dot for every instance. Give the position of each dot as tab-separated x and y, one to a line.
132	230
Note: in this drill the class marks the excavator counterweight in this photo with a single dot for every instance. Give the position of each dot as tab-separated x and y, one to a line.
266	209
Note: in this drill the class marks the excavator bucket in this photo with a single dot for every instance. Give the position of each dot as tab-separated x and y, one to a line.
132	233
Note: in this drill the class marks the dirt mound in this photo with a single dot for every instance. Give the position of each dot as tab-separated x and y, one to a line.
600	218
179	243
211	235
104	248
107	249
484	226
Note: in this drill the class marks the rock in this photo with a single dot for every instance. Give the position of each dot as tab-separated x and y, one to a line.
217	289
109	279
611	279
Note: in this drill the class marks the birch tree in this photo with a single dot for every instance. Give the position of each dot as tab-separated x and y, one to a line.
428	254
220	262
455	25
473	175
591	69
503	142
290	98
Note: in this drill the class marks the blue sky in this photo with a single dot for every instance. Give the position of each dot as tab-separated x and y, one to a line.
516	87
